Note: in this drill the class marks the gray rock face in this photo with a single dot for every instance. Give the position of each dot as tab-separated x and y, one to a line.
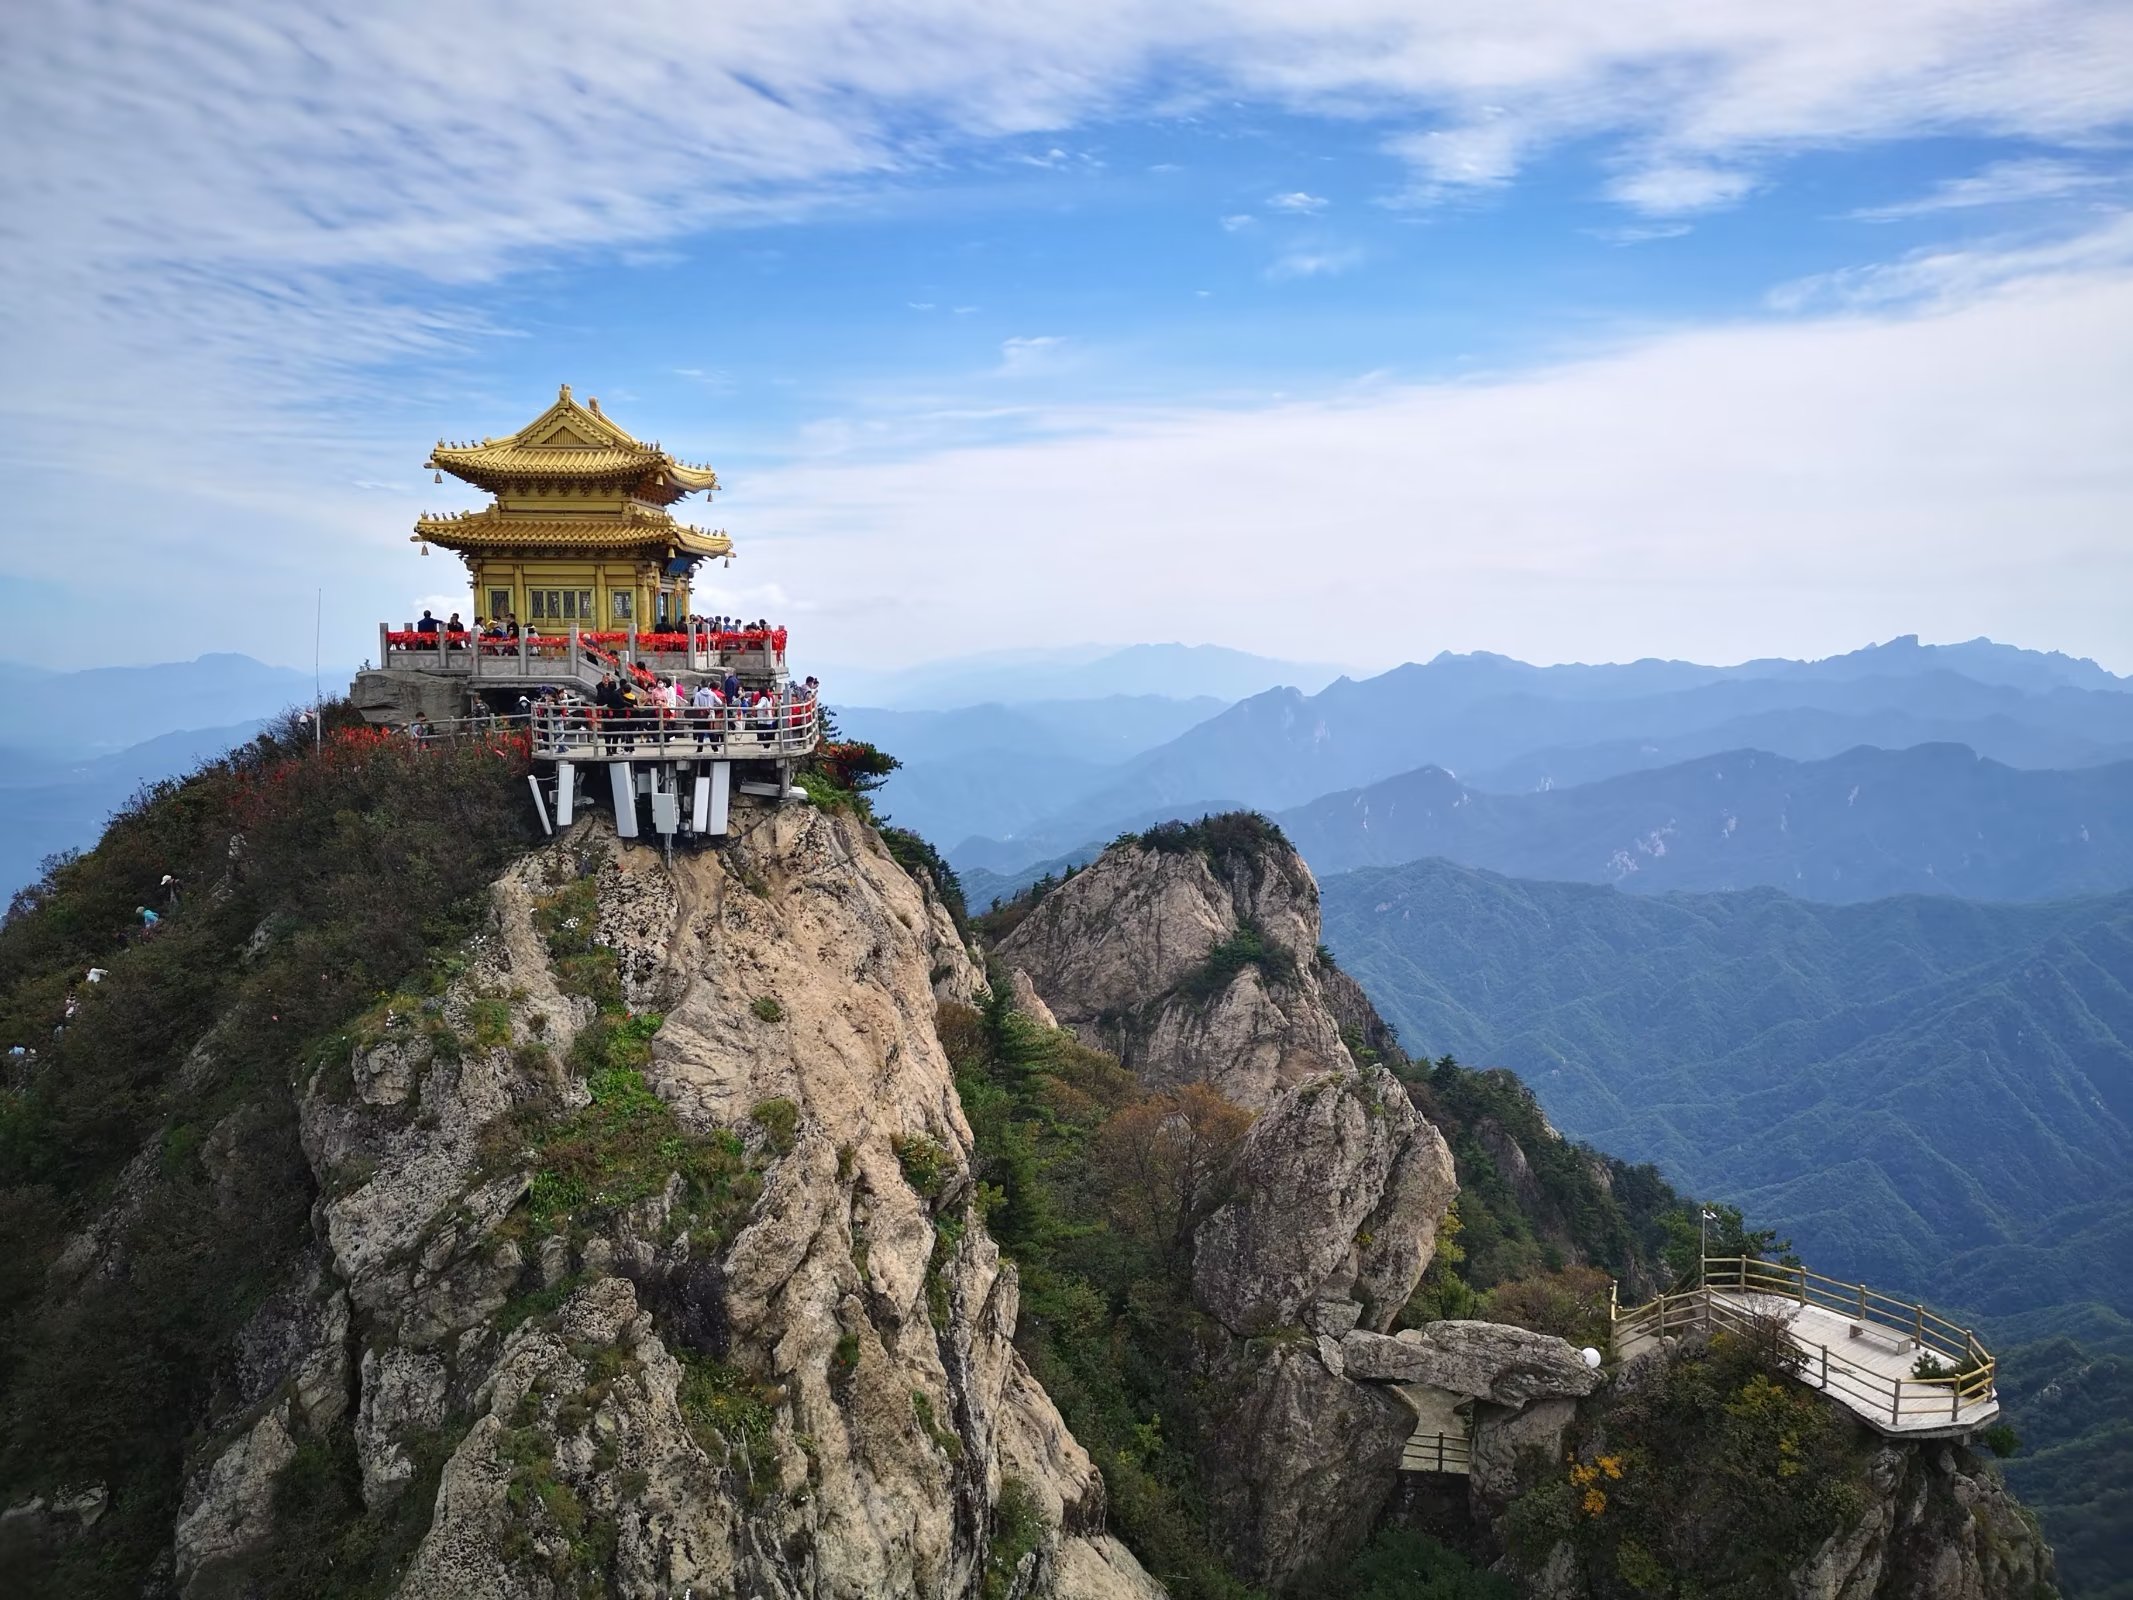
858	1325
1501	1435
1490	1361
229	1508
1109	949
1939	1525
1305	1462
1337	1192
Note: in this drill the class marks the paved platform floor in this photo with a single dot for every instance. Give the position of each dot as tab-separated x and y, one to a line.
1870	1374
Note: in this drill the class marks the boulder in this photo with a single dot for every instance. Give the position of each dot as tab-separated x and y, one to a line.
1340	1185
1490	1361
229	1507
1502	1435
1305	1461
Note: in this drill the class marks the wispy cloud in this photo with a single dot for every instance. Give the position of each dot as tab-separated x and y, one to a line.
1662	522
1023	355
1297	201
1237	222
1670	188
1941	276
1314	263
1640	232
2003	183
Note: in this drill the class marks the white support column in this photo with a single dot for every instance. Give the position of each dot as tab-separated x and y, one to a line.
700	800
566	793
721	796
540	806
625	787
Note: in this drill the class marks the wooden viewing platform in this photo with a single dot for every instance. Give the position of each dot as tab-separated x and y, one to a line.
1857	1346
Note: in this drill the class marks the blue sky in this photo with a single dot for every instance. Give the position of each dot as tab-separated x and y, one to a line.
1353	331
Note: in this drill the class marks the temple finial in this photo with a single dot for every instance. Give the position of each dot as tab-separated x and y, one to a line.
564	391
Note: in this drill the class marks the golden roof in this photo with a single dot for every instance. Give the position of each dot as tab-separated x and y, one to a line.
633	529
574	444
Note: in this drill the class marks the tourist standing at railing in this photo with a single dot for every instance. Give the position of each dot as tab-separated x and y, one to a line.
709	706
428	624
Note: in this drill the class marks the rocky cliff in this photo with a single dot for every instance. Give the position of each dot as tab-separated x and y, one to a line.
645	1263
1194	955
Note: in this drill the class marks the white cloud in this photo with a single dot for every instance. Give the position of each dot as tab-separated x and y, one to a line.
1313	263
1297	200
2002	183
1668	189
1237	223
1943	276
1783	488
1021	356
220	224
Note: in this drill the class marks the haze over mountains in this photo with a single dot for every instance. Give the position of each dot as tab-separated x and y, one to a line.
1897	1083
1488	714
1933	819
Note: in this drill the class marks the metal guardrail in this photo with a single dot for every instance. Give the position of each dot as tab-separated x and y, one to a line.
1969	1379
784	730
1437	1452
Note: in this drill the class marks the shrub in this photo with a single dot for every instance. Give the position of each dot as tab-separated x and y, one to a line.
779	1119
1018	1527
2001	1440
927	1165
767	1009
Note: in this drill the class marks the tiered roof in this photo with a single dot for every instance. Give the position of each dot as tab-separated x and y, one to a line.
593	488
574	447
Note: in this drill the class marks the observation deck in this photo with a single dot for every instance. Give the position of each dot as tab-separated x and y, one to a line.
1874	1354
579	657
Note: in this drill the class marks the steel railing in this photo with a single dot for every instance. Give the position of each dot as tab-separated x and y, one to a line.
1909	1326
572	732
1437	1452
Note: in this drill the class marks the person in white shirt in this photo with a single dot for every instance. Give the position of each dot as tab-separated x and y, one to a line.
708	703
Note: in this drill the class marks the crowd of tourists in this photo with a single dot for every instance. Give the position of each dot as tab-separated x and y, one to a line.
720	633
642	706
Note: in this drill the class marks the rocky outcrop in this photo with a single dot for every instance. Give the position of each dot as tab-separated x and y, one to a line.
1336	1195
1121	954
1313	1460
1938	1525
813	1393
1194	956
1489	1361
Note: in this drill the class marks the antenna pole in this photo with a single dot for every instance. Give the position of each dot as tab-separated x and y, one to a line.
318	726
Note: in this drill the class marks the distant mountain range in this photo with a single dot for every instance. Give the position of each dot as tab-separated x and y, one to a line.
1928	1093
1866	824
998	765
1487	714
48	805
1083	672
48	717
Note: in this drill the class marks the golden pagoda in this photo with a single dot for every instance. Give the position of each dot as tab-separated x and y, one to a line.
579	534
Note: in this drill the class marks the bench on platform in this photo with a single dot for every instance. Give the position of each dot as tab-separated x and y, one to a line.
1901	1343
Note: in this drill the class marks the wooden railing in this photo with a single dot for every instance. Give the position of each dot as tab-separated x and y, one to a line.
1911	1328
1437	1452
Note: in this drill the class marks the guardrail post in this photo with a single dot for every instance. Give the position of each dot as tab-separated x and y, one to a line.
1802	1269
1862	1302
1918	1326
573	649
1896	1403
1825	1366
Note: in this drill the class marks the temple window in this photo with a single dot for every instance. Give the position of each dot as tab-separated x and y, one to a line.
624	605
499	604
